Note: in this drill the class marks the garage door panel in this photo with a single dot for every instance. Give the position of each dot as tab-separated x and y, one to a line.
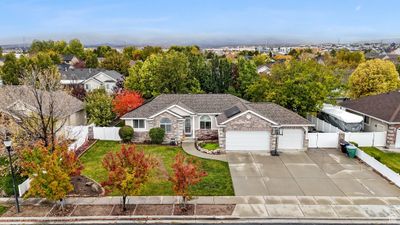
291	139
247	141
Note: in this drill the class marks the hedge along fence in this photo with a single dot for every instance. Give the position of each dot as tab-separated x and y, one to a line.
379	167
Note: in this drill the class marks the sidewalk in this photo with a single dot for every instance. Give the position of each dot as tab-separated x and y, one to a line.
188	147
253	207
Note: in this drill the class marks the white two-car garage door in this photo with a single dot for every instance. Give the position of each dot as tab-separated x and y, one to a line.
291	139
247	141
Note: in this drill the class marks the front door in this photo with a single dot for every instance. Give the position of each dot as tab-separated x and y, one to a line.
188	126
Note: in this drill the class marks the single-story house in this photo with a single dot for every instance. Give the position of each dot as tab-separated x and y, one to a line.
236	123
381	113
70	59
18	101
91	78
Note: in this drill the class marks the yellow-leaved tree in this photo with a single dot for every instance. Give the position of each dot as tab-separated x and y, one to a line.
373	77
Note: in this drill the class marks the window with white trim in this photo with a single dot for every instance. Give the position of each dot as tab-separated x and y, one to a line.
205	122
138	124
166	123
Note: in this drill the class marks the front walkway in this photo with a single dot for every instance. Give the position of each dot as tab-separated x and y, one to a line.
189	148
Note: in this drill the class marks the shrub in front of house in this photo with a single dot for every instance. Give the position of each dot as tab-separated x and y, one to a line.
126	133
157	135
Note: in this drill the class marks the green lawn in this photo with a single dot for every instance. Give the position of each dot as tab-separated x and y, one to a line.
3	209
6	181
209	145
218	181
390	159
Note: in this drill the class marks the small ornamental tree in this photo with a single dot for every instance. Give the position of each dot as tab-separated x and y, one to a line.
186	174
126	101
50	171
128	170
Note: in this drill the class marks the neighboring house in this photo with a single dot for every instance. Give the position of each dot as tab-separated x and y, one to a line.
91	78
381	113
70	59
69	112
236	123
264	69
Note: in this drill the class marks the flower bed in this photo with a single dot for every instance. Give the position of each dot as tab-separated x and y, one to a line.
209	147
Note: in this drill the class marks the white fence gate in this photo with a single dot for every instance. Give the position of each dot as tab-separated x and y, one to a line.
323	126
77	133
106	133
365	139
323	140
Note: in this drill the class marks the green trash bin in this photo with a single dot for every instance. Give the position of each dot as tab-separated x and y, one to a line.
351	151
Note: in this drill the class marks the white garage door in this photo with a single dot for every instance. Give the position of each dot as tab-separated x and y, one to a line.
291	139
247	140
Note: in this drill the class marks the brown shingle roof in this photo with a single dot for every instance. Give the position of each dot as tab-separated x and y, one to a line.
383	106
216	103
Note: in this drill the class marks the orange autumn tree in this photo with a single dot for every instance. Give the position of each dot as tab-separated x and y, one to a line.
50	170
126	101
128	170
186	173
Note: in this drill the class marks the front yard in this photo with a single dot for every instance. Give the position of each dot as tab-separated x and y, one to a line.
390	159
218	181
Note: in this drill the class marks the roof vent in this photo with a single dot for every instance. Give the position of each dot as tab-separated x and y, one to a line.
231	111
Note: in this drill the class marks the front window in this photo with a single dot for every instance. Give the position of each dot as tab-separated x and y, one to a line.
205	122
87	86
138	123
165	123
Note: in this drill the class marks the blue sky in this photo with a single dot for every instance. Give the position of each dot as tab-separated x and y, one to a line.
198	21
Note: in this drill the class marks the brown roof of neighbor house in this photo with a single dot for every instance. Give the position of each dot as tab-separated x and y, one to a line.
216	103
383	106
11	95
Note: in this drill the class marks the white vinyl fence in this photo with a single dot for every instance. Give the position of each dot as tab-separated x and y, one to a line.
22	188
323	126
323	140
365	139
77	133
378	166
106	133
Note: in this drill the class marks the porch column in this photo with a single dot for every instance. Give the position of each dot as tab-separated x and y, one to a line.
193	128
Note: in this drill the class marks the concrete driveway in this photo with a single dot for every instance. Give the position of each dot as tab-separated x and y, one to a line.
322	172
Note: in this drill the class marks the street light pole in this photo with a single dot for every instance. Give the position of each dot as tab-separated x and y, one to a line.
7	143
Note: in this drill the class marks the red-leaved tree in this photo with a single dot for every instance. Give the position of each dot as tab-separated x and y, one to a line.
126	101
186	173
128	170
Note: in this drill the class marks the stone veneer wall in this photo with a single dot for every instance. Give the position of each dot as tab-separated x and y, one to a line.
206	134
177	125
391	136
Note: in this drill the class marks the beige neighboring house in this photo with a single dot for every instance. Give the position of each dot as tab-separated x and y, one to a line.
17	101
381	113
237	124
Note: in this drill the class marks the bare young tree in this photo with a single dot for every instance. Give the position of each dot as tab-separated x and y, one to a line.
39	106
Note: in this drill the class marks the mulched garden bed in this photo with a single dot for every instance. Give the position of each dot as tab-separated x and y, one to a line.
189	211
159	210
28	211
92	210
57	211
117	211
86	187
